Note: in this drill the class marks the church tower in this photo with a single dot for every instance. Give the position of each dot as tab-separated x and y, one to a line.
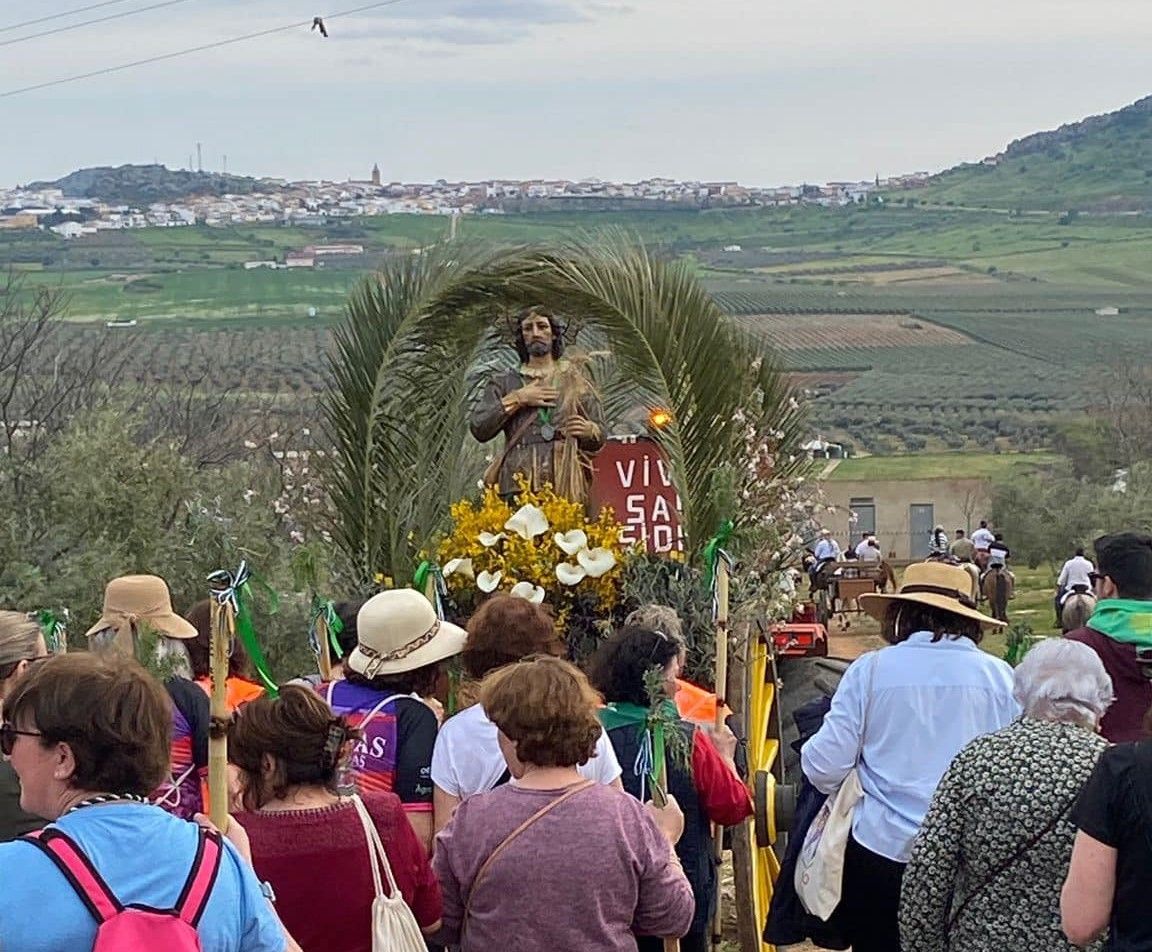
375	174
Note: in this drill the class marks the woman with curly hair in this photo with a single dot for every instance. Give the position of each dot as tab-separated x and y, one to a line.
307	841
710	792
600	865
467	758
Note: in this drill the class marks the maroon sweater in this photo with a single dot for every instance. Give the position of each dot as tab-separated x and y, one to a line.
317	863
1124	720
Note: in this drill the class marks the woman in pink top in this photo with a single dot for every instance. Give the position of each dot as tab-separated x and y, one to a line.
591	873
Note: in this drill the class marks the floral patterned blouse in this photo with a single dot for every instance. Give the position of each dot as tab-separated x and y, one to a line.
1002	790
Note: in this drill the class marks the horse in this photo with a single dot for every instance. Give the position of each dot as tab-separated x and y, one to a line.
1076	610
996	587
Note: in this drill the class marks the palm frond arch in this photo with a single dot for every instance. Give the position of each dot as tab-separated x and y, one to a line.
396	415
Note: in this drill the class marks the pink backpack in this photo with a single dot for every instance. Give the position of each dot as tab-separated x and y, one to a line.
136	928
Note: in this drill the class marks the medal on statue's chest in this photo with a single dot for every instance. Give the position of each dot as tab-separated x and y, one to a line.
548	431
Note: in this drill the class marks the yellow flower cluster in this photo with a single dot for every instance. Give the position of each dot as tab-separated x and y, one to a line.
530	560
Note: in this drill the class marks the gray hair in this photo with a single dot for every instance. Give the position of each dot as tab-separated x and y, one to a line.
1061	680
657	618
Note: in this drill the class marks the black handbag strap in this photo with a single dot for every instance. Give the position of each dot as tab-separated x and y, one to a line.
1011	861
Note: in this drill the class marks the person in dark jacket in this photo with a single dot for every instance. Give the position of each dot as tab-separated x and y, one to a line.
710	792
1120	629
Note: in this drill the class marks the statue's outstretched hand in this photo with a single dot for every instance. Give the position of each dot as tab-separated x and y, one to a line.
536	395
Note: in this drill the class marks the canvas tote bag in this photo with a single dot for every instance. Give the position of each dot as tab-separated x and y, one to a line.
394	928
820	865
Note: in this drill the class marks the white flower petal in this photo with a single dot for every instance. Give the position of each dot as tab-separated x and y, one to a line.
489	539
596	562
528	522
488	581
529	592
463	566
570	574
571	542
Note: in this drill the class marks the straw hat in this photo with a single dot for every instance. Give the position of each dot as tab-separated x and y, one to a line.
937	584
398	631
139	599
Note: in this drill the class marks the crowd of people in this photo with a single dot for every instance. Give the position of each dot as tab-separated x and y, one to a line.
1002	808
547	812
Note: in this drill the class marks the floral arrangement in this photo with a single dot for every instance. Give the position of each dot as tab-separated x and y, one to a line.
544	550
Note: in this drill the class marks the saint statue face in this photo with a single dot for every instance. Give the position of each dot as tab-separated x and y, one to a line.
536	330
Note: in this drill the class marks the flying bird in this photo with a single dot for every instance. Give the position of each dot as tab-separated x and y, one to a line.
318	24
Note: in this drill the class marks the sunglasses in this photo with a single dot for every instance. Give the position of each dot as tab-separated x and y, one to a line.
9	669
8	735
1096	578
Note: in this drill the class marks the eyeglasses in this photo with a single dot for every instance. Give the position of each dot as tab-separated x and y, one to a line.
8	735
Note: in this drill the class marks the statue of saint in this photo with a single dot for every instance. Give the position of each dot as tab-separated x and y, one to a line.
547	410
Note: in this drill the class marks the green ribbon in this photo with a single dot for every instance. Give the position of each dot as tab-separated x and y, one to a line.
420	578
649	725
235	589
327	611
714	550
54	628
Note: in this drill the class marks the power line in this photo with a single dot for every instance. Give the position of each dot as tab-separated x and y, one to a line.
194	49
103	19
60	16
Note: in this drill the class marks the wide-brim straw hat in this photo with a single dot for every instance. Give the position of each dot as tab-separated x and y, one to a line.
134	600
937	584
398	631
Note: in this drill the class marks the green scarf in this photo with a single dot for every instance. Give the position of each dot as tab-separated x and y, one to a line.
1126	620
624	714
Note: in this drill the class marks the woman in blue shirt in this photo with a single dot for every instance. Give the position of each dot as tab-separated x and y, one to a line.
899	716
88	737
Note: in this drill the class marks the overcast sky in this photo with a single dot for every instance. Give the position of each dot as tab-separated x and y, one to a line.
761	91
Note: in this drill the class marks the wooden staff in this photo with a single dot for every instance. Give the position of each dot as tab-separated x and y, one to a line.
324	659
660	799
721	689
223	630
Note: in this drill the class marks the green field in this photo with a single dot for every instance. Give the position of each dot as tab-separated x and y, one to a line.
940	466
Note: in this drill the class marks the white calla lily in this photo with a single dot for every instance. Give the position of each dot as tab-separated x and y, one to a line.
488	581
529	592
489	539
571	542
463	566
569	574
528	522
596	562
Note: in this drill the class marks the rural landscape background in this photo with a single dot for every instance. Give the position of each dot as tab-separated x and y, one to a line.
974	312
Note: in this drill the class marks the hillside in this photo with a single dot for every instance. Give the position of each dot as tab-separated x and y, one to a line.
1100	164
142	184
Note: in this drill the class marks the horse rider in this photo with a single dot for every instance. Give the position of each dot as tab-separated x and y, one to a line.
982	538
868	549
940	543
1075	576
962	548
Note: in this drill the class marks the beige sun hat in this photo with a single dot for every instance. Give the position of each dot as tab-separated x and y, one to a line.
943	586
398	631
139	599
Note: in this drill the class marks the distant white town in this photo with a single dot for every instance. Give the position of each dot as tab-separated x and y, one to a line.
278	201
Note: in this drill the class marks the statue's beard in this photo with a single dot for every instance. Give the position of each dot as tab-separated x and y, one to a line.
539	348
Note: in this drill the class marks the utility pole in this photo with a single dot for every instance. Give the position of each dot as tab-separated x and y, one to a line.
225	163
199	159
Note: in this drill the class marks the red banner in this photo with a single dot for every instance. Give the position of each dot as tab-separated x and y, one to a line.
631	476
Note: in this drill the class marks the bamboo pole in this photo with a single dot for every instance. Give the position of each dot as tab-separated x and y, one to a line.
223	629
721	682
